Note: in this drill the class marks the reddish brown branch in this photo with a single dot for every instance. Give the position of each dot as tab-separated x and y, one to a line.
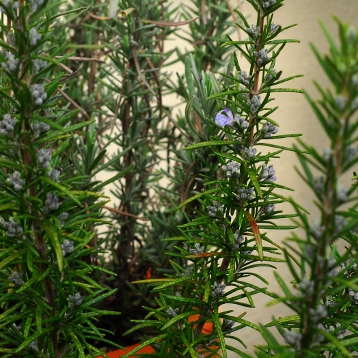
255	91
120	212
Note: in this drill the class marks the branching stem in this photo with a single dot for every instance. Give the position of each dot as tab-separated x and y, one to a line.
255	90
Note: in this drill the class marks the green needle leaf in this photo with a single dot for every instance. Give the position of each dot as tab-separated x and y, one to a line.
256	233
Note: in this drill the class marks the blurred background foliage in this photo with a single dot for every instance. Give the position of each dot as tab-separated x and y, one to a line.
119	73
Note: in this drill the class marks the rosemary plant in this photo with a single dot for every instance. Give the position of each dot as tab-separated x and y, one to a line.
118	60
133	120
201	79
134	82
80	77
324	294
227	238
205	36
47	294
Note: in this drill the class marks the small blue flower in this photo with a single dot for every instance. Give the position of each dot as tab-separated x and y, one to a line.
16	278
75	300
239	239
350	152
38	94
244	194
253	31
15	180
222	120
274	28
38	65
11	63
7	125
51	202
34	37
227	326
213	210
269	129
217	290
172	312
293	339
197	249
269	209
12	228
231	168
67	247
318	313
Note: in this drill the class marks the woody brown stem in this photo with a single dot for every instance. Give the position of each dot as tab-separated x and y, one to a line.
36	223
36	228
329	203
255	90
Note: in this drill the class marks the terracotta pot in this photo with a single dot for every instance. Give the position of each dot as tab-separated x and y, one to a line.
208	327
123	352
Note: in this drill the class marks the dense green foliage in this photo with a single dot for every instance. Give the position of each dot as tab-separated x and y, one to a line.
85	89
47	294
324	296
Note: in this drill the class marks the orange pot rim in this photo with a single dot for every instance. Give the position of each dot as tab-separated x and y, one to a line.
208	328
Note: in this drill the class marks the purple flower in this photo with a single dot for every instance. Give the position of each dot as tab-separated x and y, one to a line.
224	120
